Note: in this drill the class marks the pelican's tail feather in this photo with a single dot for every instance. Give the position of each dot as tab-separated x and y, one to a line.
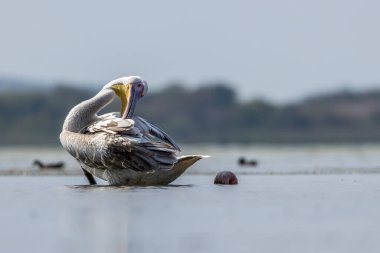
183	162
186	161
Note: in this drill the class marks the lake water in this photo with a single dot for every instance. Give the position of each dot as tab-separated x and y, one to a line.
309	198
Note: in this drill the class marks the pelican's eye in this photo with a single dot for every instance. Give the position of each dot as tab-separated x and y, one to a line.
140	89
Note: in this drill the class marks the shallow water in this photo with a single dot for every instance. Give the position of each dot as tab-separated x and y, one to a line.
264	213
299	199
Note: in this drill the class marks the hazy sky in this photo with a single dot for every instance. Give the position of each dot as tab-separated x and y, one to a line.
278	49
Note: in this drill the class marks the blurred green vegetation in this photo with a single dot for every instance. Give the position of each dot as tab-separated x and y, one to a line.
210	113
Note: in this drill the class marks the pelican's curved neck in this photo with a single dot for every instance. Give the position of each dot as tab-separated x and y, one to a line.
84	113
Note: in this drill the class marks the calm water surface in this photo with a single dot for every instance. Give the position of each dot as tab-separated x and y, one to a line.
299	199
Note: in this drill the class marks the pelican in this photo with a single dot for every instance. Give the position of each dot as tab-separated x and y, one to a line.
121	148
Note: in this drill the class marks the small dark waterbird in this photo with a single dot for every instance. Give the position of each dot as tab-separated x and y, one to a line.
41	165
243	162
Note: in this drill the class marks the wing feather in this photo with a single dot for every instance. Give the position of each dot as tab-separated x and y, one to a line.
148	128
128	144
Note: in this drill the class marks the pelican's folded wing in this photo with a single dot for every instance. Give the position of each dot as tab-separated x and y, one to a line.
103	150
147	128
110	124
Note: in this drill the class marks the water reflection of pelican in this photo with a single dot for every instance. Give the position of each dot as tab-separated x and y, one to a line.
118	147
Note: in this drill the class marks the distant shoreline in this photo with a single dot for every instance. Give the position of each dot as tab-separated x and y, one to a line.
210	114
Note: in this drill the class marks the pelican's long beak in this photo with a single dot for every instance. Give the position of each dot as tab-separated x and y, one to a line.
128	98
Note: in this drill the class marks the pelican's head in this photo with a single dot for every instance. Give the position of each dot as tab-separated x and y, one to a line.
129	89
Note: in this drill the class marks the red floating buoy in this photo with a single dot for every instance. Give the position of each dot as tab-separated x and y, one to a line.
225	177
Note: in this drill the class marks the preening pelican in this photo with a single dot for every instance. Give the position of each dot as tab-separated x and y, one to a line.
121	148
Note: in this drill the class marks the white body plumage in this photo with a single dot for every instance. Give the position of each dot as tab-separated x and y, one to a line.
118	147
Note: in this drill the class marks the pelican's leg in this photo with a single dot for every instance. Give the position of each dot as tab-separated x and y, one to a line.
90	178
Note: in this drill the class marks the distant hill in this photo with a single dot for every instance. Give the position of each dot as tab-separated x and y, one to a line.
210	113
23	84
16	84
